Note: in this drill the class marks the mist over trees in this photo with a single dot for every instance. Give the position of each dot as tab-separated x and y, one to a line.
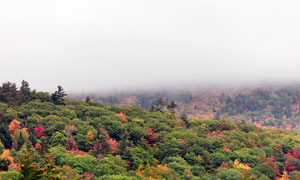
276	107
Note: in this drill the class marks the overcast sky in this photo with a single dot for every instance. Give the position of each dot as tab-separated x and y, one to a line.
103	44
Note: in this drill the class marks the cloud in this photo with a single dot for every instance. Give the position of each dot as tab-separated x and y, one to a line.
88	45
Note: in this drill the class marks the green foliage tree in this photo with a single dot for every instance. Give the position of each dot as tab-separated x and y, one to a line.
230	174
112	166
9	175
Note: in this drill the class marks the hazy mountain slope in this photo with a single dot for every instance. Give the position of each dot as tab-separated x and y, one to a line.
271	107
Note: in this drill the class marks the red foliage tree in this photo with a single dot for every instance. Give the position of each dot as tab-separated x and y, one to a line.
87	175
271	162
38	130
113	145
289	162
71	145
289	167
226	148
151	136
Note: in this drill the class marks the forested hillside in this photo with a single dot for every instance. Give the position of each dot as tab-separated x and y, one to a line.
266	107
45	136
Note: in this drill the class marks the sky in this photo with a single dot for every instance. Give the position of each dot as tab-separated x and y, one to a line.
118	44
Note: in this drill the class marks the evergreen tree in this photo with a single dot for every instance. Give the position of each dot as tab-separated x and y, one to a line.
20	141
172	106
57	97
24	93
152	108
29	169
4	163
158	105
184	118
9	93
88	99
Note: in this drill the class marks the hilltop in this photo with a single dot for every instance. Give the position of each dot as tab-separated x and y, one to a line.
46	136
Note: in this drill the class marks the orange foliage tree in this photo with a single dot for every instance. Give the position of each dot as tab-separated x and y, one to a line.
13	126
123	117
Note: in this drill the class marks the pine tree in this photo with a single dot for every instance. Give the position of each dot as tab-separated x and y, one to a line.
24	93
88	99
29	169
172	106
57	97
158	105
9	93
184	118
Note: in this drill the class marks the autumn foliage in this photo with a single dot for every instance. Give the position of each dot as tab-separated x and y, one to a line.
123	117
38	130
13	126
49	138
239	165
113	145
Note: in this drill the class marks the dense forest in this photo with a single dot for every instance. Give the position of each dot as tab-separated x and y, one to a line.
46	136
266	107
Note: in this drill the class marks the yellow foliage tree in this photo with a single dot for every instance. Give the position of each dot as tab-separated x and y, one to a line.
151	172
284	176
6	155
239	165
199	158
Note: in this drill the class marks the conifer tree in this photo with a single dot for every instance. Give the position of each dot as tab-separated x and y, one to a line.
88	99
29	169
9	93
24	93
57	97
172	106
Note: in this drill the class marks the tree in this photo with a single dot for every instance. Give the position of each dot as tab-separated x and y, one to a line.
4	163
1	147
88	99
29	169
9	93
19	137
42	96
172	106
111	165
24	93
152	108
57	97
184	118
229	174
71	144
158	105
13	126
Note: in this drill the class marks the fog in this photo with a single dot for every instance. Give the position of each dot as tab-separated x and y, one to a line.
117	44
